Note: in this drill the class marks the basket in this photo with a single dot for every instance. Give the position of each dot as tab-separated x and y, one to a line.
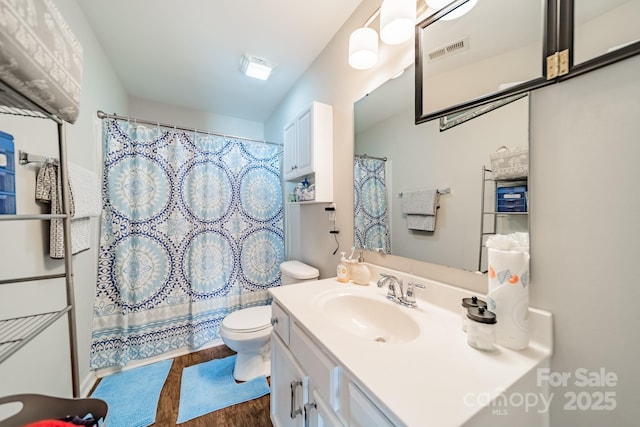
37	407
510	163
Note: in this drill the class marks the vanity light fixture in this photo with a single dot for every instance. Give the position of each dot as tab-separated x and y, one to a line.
397	21
255	67
454	14
363	48
397	25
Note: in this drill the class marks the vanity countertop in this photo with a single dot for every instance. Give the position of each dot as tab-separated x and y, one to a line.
436	379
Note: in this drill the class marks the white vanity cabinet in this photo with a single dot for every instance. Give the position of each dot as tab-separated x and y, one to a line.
308	150
309	388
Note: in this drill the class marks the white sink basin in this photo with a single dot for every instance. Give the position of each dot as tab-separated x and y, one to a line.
373	318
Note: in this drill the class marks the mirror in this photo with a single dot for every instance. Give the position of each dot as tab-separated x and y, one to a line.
501	44
424	157
604	26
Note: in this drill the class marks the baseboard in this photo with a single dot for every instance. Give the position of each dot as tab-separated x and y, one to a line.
99	373
87	384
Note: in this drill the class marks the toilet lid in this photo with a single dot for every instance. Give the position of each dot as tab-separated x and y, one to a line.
250	319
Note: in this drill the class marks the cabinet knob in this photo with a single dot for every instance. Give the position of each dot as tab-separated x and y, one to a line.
274	321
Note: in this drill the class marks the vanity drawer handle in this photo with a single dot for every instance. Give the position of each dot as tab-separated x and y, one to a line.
294	413
274	321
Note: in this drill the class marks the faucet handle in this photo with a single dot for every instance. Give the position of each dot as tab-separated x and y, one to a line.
384	277
410	298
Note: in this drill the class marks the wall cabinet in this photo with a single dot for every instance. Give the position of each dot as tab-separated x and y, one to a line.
309	388
308	150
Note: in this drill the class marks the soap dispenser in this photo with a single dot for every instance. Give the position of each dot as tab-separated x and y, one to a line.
343	271
360	272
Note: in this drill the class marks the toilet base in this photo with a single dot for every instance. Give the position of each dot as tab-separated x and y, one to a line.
251	365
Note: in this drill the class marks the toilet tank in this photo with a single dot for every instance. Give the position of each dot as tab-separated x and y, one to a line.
297	272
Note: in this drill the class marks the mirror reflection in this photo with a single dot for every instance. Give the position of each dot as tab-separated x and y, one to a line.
603	26
404	158
473	56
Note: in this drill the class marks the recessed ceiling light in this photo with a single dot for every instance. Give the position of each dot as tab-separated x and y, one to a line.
255	67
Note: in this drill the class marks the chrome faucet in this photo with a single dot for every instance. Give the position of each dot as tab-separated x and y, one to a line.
396	292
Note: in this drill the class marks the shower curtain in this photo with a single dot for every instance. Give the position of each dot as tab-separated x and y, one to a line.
370	205
192	229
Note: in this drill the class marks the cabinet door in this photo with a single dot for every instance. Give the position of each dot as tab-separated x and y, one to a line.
288	387
318	413
362	412
289	163
305	143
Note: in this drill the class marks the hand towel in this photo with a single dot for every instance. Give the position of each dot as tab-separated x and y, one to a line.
88	203
49	190
420	207
420	202
421	222
87	195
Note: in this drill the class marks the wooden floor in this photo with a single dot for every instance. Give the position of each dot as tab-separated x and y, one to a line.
254	413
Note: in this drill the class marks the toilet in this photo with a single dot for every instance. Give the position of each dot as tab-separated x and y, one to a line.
247	331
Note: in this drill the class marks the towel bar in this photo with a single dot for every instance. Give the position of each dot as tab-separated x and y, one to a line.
25	158
439	190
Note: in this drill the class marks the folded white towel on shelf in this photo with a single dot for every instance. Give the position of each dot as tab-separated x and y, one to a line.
420	202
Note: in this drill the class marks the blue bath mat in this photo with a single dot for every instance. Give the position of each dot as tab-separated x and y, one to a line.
132	396
210	386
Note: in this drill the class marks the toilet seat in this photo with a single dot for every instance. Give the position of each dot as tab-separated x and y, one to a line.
246	320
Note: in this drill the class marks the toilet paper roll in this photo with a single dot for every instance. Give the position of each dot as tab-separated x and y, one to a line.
508	296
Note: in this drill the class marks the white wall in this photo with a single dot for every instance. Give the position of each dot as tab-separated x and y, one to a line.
197	119
584	227
43	366
585	231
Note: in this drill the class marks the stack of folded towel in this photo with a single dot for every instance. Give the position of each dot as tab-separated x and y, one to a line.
420	207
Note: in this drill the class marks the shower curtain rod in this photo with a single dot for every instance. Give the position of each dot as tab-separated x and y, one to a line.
103	115
366	156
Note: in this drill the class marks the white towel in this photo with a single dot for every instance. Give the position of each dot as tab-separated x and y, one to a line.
88	203
87	196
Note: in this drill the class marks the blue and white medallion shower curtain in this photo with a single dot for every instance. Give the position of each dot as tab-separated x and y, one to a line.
371	210
192	229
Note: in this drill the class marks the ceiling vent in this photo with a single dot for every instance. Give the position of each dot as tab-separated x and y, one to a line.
449	49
